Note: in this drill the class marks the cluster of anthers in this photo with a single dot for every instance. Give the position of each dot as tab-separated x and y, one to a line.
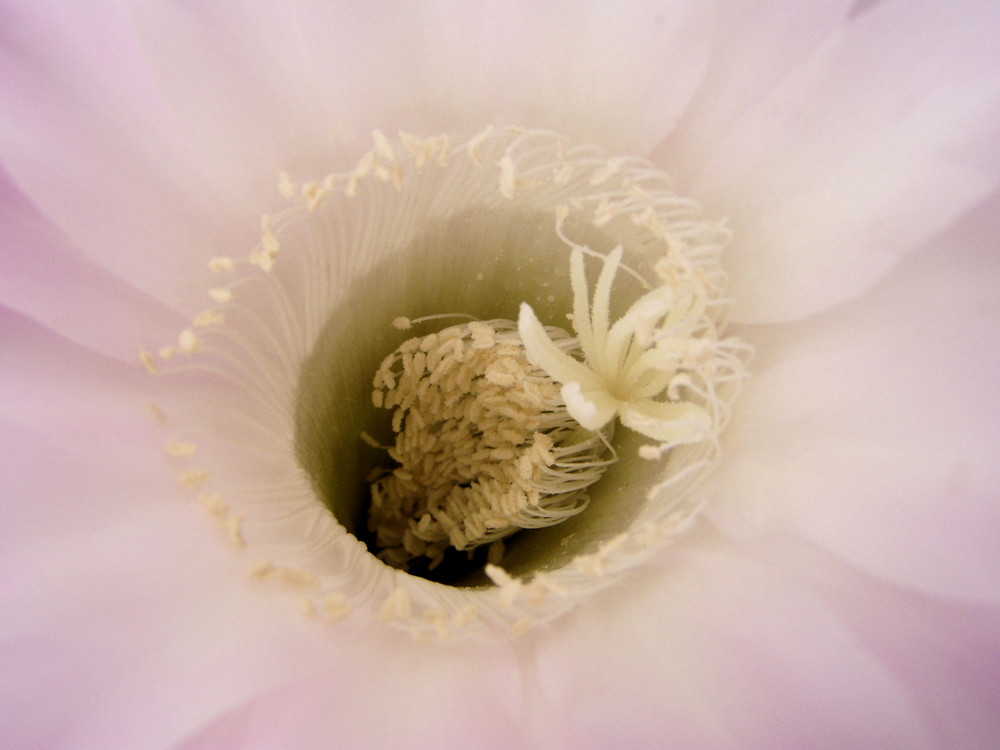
498	425
484	444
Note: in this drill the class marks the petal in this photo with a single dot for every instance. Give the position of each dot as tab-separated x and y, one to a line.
872	430
132	649
44	277
777	36
349	68
858	156
378	702
108	165
725	646
81	401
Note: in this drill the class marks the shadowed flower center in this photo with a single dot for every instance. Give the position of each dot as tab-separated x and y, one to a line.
350	431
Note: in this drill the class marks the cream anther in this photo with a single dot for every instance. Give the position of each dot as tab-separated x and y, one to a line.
188	342
220	265
483	444
180	449
193	478
220	295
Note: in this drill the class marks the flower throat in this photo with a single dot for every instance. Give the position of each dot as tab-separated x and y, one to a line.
553	432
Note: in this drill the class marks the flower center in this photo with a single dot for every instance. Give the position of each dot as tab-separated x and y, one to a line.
478	430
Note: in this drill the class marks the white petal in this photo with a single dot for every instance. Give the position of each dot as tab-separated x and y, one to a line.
719	648
873	431
777	36
858	156
44	277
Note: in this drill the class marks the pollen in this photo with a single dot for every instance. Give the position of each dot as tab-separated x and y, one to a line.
221	265
220	295
232	524
214	505
148	362
193	478
209	318
188	342
180	449
483	448
396	606
335	607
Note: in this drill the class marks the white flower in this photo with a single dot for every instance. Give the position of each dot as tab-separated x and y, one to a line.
840	587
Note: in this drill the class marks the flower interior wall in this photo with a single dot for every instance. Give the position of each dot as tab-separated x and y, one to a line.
423	228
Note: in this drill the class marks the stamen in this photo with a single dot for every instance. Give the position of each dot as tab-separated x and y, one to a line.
484	445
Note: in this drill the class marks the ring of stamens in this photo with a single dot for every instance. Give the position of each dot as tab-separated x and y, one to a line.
272	455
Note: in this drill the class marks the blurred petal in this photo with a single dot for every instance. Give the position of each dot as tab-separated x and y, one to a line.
859	156
108	165
76	398
43	276
778	36
732	649
361	702
613	74
873	429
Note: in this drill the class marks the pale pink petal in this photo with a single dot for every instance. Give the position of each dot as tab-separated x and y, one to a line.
744	647
882	138
420	697
92	651
43	276
777	36
109	166
80	400
873	429
619	75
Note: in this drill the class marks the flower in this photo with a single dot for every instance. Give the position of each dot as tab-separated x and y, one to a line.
840	585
